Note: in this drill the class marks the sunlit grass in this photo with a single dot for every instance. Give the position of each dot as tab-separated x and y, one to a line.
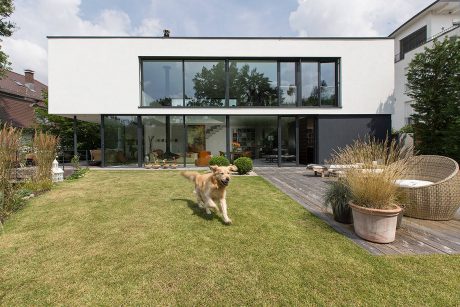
137	238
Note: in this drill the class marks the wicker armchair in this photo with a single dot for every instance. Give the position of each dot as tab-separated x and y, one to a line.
440	200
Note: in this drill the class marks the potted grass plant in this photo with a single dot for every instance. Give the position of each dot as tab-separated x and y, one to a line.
337	197
374	196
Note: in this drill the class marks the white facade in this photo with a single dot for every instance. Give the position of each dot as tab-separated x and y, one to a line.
441	19
92	76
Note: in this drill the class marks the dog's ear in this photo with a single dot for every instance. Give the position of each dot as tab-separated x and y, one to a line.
213	168
233	168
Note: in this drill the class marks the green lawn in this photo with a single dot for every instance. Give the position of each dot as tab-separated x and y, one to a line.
136	238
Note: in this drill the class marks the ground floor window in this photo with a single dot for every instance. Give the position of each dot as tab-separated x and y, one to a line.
193	140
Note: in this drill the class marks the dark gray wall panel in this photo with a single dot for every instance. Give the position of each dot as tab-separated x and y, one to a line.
340	130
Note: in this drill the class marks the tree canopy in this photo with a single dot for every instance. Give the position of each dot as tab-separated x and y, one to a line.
6	30
88	134
434	85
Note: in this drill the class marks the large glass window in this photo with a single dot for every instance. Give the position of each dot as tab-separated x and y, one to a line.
310	91
162	84
120	135
204	83
328	84
288	88
255	137
163	139
206	137
244	83
253	83
288	140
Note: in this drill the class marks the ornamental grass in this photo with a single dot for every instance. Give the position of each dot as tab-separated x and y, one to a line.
45	146
10	141
371	168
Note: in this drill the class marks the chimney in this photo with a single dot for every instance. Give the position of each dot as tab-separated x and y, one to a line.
29	78
166	33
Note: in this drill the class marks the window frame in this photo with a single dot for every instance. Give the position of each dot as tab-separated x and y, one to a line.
298	64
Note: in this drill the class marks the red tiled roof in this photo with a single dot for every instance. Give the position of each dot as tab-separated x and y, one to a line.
17	112
17	100
14	83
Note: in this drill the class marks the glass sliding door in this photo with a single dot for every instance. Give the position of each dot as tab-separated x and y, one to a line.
163	139
288	140
206	137
255	137
120	137
307	147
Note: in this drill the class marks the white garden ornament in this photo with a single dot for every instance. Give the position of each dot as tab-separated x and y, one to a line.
58	173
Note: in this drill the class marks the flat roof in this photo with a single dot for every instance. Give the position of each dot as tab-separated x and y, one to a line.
215	37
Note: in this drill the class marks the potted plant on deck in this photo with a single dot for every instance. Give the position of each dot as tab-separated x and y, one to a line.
337	197
373	192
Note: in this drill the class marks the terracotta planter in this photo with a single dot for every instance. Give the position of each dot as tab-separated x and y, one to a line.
375	225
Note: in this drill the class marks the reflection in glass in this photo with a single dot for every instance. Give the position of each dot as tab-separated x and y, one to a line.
120	139
162	84
328	84
253	83
206	137
288	141
310	92
204	83
255	137
288	88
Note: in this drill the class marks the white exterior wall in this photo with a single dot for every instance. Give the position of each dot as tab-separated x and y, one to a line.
101	75
436	23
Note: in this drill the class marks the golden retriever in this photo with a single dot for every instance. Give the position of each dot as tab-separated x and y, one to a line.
210	188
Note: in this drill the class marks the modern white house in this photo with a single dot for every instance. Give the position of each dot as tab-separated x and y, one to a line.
280	101
439	20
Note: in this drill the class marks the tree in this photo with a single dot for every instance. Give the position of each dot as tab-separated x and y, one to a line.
88	134
434	85
6	30
249	87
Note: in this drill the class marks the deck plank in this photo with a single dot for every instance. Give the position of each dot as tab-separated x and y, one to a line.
414	238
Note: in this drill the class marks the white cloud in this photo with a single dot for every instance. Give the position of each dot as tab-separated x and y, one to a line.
37	19
352	17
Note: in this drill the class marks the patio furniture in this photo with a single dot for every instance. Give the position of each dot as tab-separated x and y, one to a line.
439	200
95	157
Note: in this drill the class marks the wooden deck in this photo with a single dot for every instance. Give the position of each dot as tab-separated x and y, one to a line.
414	237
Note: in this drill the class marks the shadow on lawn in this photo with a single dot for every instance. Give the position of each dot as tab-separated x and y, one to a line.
200	212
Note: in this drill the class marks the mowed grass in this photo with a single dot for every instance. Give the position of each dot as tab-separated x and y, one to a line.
137	238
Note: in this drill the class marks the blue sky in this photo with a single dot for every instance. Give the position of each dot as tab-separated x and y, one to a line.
38	18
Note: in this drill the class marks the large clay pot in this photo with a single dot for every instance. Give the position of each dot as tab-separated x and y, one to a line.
375	225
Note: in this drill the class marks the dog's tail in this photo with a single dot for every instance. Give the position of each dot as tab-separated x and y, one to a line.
190	175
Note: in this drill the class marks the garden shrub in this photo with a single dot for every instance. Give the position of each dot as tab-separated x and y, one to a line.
219	161
244	165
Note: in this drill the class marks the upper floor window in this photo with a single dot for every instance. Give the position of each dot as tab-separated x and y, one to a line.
253	83
238	83
162	84
412	41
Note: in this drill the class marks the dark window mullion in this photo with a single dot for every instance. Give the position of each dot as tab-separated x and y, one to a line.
227	83
183	83
298	81
319	84
278	81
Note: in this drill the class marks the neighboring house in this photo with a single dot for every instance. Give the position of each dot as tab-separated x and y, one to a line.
440	19
280	101
19	94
